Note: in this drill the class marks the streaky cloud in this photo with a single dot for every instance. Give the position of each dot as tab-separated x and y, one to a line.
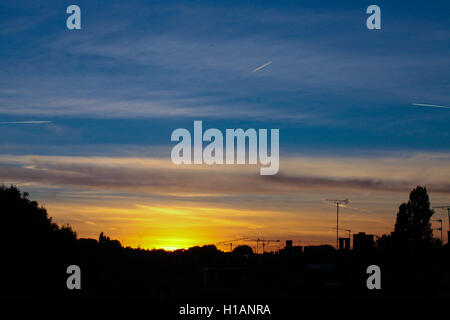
156	176
26	122
430	105
262	67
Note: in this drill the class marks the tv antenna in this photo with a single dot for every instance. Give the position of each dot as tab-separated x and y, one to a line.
337	202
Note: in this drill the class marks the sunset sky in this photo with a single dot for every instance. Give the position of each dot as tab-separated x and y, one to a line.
86	115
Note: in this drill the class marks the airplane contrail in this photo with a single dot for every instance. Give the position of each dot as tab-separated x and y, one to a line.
25	122
430	105
262	67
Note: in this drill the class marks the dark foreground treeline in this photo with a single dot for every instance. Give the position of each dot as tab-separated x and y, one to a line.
36	253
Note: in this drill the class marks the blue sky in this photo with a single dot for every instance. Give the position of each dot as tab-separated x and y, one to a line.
140	69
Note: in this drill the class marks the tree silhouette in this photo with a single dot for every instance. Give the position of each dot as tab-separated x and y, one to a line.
243	250
27	223
30	239
412	227
403	219
107	242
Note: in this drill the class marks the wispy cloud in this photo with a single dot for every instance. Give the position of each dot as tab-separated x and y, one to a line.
25	122
430	105
262	67
301	174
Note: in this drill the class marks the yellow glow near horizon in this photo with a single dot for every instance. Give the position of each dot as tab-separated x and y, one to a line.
170	227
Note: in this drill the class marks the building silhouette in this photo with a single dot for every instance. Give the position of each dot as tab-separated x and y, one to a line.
292	251
363	241
344	244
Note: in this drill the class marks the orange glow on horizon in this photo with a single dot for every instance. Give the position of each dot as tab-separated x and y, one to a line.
170	227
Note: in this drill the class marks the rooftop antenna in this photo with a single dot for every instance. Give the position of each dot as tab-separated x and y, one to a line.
337	202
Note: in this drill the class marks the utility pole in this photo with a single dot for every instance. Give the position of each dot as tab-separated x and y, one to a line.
337	203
